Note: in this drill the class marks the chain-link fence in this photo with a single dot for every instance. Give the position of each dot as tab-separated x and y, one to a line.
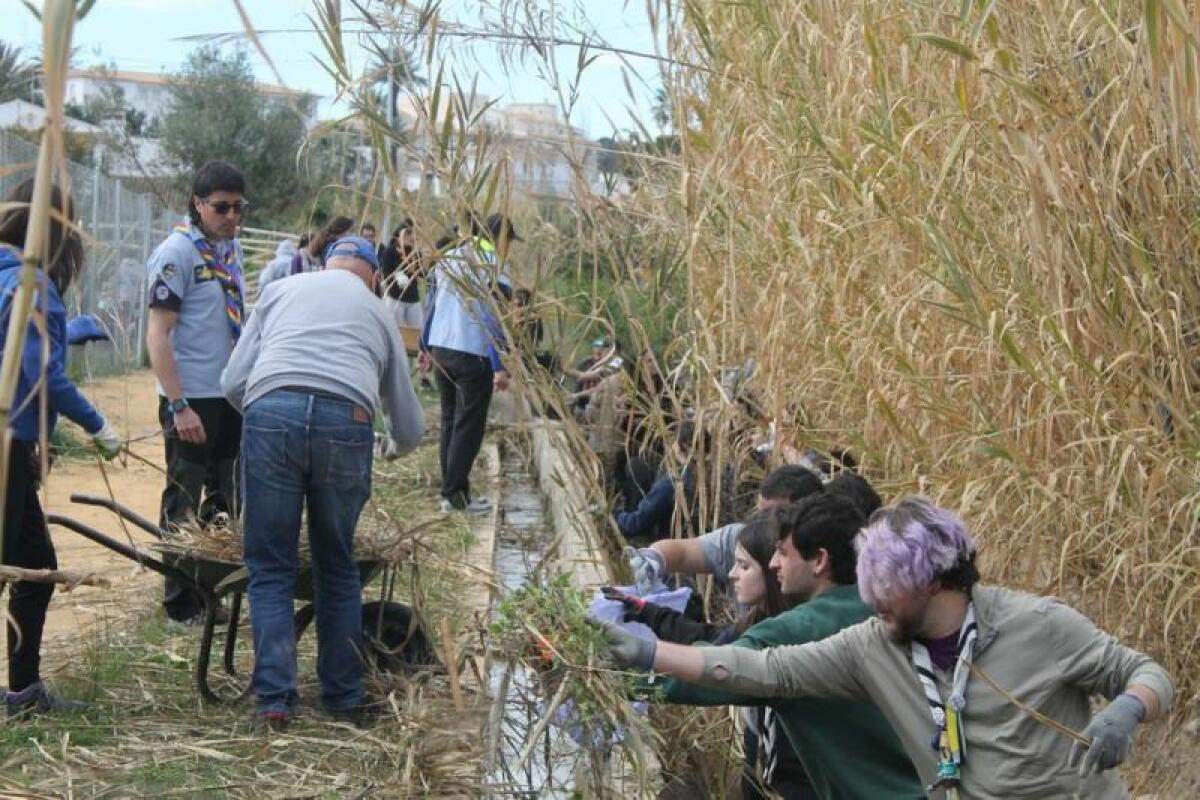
121	228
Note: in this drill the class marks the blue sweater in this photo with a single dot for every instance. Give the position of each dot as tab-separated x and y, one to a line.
62	395
652	517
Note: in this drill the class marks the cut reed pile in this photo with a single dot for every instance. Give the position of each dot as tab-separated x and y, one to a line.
962	237
375	538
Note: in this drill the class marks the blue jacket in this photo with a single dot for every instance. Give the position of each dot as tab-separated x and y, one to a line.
62	395
652	517
458	315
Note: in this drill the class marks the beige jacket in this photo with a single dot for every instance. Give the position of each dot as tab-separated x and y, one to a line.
1041	651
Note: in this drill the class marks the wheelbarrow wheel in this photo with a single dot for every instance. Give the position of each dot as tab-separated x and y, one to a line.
394	639
394	636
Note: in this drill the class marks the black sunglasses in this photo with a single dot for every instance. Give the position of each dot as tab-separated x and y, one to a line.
223	207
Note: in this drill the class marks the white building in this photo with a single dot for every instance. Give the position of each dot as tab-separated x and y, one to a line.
540	148
20	114
147	92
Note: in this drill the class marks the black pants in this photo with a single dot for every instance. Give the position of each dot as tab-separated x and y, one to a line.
201	482
465	386
26	543
789	780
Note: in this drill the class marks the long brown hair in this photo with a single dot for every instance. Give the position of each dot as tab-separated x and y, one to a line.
64	258
757	537
337	227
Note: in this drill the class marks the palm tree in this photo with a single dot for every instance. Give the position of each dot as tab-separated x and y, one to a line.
396	70
662	108
18	76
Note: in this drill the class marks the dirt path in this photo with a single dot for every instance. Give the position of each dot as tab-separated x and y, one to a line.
130	405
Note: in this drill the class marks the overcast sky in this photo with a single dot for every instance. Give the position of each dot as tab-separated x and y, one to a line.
144	35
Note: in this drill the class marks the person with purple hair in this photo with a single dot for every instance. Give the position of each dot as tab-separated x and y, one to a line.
944	660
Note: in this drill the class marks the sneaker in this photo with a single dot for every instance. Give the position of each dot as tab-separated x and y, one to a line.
270	721
479	507
37	699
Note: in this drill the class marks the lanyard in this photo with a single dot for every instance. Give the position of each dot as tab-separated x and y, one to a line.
949	739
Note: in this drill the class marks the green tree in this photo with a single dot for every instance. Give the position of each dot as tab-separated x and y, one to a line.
18	76
217	111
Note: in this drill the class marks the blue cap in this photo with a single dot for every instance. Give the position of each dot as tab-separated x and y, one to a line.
355	247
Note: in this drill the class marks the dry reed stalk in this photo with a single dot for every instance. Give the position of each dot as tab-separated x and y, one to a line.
450	656
965	247
68	578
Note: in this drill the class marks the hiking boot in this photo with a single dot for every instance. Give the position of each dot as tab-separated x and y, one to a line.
37	699
270	721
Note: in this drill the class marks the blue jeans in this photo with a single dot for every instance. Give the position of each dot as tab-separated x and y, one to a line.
300	448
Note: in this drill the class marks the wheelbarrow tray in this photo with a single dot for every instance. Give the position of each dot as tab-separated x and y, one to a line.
223	577
202	569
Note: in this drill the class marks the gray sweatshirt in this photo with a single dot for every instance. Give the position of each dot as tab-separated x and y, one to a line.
328	332
1044	653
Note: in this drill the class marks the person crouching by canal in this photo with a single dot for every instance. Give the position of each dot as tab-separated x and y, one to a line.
26	541
319	357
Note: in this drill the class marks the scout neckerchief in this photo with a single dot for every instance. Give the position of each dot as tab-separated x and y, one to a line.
227	271
769	737
949	741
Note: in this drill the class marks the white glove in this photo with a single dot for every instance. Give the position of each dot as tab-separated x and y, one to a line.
649	569
391	450
107	441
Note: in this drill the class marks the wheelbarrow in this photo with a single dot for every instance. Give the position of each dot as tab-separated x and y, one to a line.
215	579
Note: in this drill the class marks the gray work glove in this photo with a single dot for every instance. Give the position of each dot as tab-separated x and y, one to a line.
1111	732
649	569
625	648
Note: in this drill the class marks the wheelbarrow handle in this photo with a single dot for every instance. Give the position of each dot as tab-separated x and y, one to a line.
125	513
121	548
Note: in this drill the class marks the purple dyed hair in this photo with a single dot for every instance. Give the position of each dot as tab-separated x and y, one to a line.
909	546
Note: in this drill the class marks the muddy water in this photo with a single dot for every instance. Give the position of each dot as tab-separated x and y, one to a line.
521	538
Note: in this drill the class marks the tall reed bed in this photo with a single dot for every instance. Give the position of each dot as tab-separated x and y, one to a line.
961	240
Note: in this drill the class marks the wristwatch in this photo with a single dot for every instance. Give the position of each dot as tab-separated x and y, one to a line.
175	406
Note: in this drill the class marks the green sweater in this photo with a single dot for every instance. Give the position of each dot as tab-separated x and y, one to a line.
848	748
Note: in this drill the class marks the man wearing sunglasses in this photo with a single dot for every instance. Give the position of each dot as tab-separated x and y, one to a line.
196	313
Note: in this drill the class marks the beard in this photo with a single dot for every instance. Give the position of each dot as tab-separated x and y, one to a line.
902	629
903	632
